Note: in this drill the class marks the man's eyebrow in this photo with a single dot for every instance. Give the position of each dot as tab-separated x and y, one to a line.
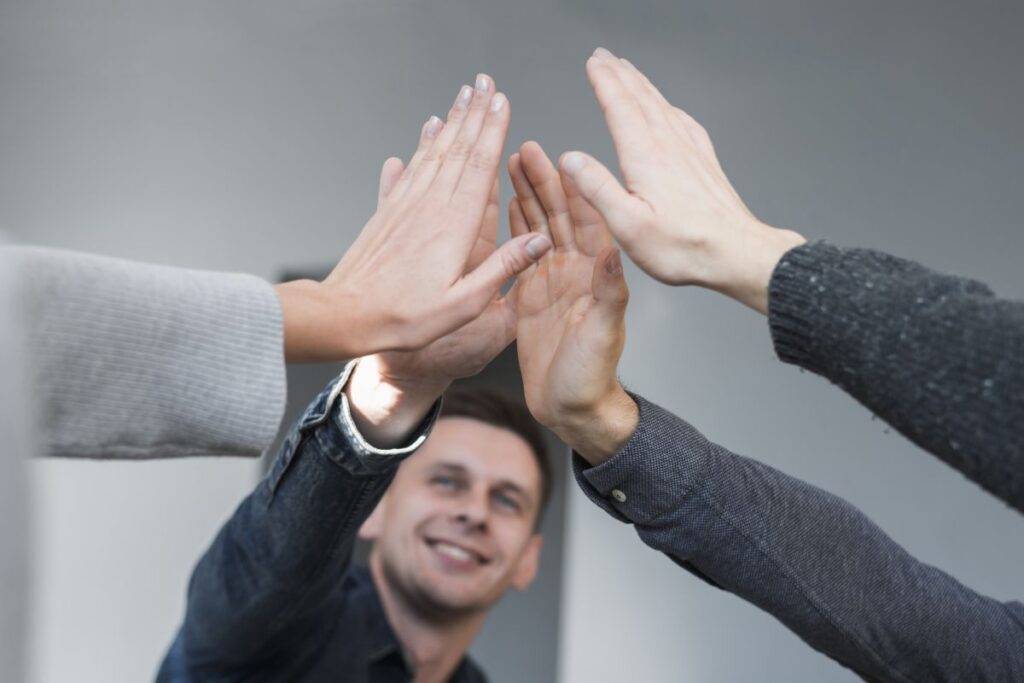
511	486
451	466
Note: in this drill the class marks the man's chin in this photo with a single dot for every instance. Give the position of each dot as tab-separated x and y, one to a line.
448	599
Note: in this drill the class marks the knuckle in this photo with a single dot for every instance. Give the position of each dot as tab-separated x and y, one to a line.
433	155
512	261
481	160
460	150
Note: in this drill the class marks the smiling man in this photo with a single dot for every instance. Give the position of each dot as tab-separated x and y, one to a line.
276	597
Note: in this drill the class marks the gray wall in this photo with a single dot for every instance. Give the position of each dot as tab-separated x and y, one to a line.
248	136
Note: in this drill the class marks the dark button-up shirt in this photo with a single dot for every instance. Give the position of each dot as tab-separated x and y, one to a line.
274	598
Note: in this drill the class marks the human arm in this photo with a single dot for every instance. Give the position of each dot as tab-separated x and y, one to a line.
405	282
677	216
805	556
259	592
142	361
939	357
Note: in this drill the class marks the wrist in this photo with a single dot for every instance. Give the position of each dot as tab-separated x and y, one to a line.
747	261
386	410
311	328
602	430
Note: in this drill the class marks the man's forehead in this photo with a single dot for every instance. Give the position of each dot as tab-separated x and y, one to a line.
482	449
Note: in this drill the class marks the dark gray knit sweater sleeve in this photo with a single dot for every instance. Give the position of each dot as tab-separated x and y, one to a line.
807	557
940	358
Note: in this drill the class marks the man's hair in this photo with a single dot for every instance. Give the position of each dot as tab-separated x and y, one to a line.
502	410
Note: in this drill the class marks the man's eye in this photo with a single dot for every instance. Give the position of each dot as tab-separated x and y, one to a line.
507	502
445	482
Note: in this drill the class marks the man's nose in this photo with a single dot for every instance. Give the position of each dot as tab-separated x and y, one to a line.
472	509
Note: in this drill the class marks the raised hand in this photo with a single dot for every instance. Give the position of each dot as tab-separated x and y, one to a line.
467	350
571	308
678	216
408	280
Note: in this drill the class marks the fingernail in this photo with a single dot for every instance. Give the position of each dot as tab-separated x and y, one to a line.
537	247
628	63
613	264
604	54
573	162
432	127
465	95
483	84
498	102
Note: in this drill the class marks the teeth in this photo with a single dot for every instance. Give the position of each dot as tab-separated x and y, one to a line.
454	552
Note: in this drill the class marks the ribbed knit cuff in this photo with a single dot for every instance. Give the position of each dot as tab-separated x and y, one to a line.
795	302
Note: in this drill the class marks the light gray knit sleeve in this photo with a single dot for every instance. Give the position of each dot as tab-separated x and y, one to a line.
143	361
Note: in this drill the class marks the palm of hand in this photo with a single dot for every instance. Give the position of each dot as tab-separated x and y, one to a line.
552	300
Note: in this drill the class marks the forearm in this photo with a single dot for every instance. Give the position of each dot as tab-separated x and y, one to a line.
280	558
143	361
938	357
805	556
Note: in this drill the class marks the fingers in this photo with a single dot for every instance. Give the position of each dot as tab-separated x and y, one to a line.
623	212
626	120
463	145
473	164
517	222
428	133
487	239
492	213
547	186
646	97
422	175
478	287
592	234
389	175
529	203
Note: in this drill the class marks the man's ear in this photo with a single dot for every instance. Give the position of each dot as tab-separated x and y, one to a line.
526	570
373	525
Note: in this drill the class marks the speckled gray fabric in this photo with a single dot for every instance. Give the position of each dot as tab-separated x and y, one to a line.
805	556
938	357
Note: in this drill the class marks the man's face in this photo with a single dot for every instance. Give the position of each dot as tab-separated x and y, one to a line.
455	528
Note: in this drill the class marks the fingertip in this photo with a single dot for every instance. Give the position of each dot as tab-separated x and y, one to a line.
530	146
432	127
572	163
484	83
499	103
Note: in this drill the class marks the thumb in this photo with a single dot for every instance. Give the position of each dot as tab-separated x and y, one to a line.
513	257
609	290
603	191
389	175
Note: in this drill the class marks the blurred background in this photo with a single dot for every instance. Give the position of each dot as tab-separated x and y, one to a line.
248	135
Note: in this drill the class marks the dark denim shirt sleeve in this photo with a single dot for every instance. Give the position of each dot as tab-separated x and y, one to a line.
808	557
275	568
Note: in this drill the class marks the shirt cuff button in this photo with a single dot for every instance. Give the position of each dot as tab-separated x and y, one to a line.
618	495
